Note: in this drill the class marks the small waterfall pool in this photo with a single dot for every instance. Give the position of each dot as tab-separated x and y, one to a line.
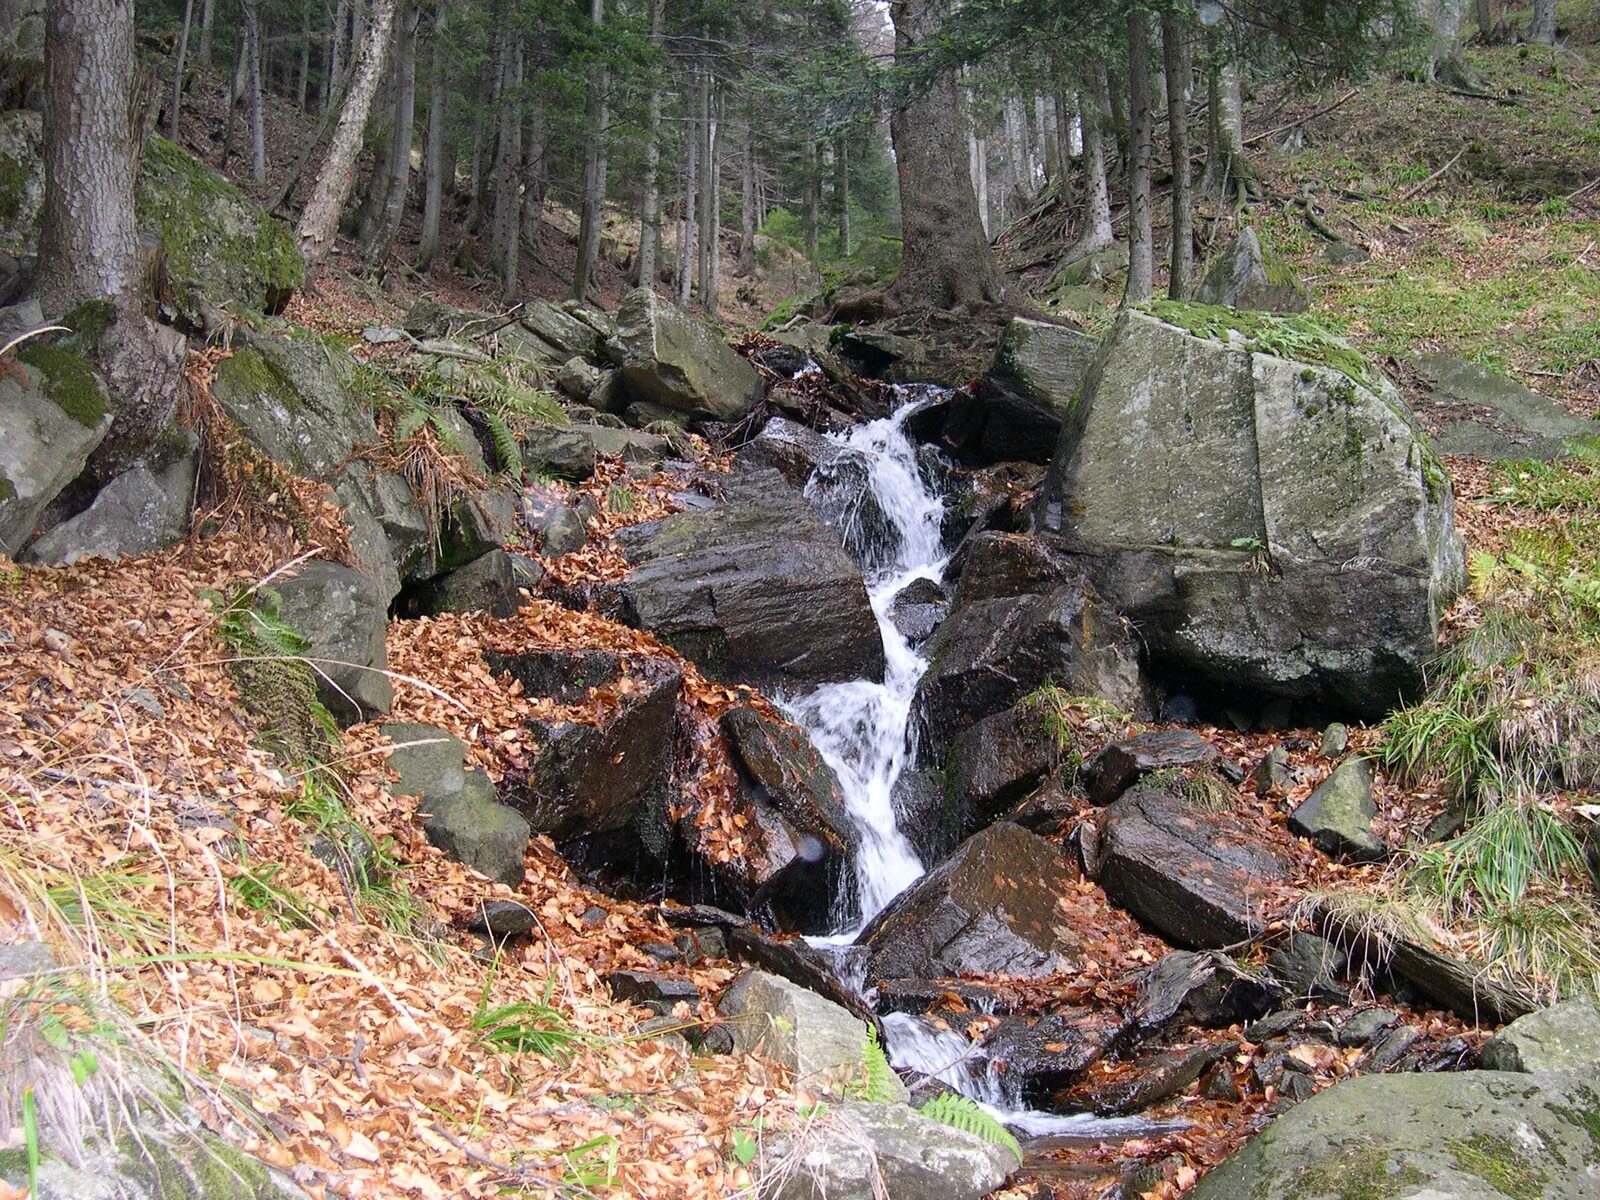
890	511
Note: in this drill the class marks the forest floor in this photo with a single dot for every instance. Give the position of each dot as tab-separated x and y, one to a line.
358	1040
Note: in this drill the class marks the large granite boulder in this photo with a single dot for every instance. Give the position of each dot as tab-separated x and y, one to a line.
989	654
588	778
293	399
998	761
1469	1135
1029	389
1272	526
671	358
988	908
857	1151
223	255
1506	421
756	589
1246	275
54	410
141	510
1561	1039
1202	879
563	332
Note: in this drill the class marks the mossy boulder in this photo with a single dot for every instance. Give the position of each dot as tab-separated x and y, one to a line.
21	179
222	252
156	1165
1470	1135
54	411
1029	389
669	357
1261	503
1247	275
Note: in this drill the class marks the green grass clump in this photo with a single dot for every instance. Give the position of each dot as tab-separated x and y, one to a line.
526	1026
1296	337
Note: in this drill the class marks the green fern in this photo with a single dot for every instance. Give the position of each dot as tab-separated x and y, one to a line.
506	451
878	1083
276	684
960	1113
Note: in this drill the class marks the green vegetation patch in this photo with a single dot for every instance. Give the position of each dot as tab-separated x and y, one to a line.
1501	1164
1358	1172
70	381
1294	336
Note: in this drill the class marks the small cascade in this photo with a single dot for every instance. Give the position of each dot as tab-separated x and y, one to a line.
890	515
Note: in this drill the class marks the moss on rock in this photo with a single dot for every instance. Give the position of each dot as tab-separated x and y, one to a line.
1294	336
69	381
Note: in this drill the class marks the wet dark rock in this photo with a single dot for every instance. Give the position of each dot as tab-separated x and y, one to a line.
1029	389
1295	1085
1200	878
917	609
702	945
989	499
1205	989
1156	1077
921	996
701	916
1385	1053
1338	815
655	991
1276	1025
588	779
1360	1028
557	528
988	909
990	654
502	919
1111	771
1221	1085
755	590
1048	810
559	451
1310	968
662	952
789	448
1043	1054
999	760
486	584
925	813
787	361
994	565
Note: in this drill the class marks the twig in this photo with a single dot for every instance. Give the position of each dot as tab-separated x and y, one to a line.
1410	192
1321	112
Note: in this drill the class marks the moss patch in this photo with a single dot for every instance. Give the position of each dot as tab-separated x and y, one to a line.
70	381
1361	1172
1294	337
1501	1164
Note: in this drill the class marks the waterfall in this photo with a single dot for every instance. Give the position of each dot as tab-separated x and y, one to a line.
891	517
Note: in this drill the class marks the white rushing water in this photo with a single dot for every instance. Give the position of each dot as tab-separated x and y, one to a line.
891	517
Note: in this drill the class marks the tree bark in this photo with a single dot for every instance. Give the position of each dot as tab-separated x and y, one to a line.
713	220
88	239
1227	171
1485	21
650	201
811	218
1444	39
746	262
1045	119
302	85
206	12
177	71
710	195
591	221
1093	106
252	53
319	223
1175	56
535	169
1141	248
433	158
841	193
398	171
686	226
506	224
945	260
1542	26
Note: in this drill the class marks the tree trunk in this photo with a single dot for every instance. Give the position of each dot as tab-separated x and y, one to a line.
650	201
177	71
337	56
1175	56
710	196
258	133
433	158
1542	26
841	193
399	166
302	84
592	217
319	223
1227	172
945	260
207	10
686	228
88	240
1444	40
535	170
1485	21
713	221
1141	249
978	163
1093	105
812	217
1045	119
746	262
506	226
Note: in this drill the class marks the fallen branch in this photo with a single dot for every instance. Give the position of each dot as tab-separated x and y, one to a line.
1321	112
1410	192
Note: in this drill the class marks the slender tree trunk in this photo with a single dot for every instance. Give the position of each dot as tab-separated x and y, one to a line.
258	133
592	218
1228	171
337	55
177	71
713	222
302	85
1141	248
746	262
482	142
433	159
686	235
399	165
319	223
1542	26
88	240
650	202
709	194
1485	21
1043	107
1093	104
535	170
812	219
506	226
206	12
1175	55
841	193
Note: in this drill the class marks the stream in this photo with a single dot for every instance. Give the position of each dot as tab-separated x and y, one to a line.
890	513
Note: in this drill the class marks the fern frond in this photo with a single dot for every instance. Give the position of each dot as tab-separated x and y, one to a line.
411	419
878	1080
446	434
960	1113
508	454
